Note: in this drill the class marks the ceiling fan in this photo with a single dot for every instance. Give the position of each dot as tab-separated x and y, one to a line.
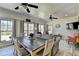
25	6
28	20
50	17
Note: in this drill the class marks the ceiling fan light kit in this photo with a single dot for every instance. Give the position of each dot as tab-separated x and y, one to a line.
50	17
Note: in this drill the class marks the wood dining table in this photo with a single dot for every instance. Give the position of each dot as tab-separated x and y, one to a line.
36	44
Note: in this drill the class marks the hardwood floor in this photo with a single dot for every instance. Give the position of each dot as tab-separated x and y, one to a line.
66	49
62	53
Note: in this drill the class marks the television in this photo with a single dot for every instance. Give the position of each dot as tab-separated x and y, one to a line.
73	25
70	26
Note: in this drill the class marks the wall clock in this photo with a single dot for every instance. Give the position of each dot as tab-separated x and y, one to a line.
57	25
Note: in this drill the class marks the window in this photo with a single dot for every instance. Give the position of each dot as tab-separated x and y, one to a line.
6	29
50	29
25	29
28	28
41	28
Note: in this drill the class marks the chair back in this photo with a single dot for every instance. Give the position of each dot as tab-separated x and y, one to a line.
17	47
48	47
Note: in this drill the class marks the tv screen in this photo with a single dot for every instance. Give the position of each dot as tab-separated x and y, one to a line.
75	25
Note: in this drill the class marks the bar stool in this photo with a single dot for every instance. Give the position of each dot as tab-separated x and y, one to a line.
71	42
77	41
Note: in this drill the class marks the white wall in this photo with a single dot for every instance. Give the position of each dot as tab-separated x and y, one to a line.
63	30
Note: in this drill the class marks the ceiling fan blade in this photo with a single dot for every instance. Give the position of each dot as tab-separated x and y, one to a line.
28	10
55	18
16	8
30	5
24	3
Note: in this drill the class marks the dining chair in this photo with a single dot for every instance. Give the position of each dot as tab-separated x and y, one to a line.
47	49
19	51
